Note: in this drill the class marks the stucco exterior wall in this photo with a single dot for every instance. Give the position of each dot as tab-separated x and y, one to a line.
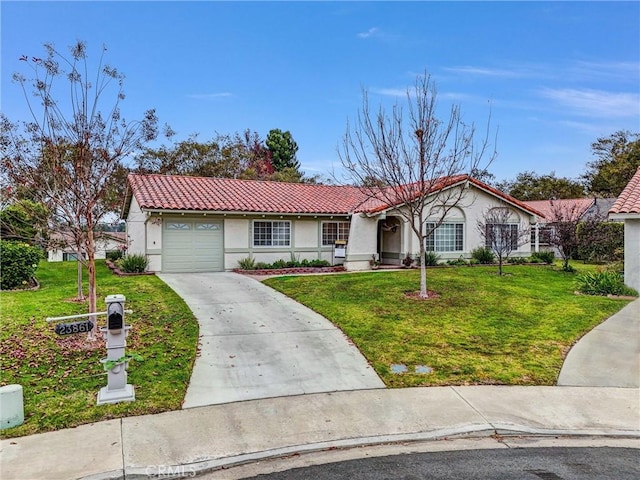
136	229
144	233
363	242
632	253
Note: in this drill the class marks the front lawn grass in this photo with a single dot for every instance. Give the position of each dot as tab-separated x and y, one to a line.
514	329
61	379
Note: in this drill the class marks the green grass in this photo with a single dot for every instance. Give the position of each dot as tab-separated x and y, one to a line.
61	380
482	329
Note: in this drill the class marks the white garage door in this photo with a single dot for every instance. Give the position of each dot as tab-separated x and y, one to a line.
192	245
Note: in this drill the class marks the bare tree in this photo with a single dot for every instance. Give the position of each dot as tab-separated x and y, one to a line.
69	154
501	234
564	220
414	160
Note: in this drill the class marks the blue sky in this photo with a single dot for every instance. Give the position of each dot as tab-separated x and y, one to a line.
558	75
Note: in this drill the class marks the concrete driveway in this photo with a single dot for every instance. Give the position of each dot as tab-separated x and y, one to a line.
258	343
607	356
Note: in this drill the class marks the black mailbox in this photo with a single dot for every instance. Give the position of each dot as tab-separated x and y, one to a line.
115	321
115	316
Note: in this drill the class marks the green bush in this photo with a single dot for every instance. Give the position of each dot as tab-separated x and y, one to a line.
247	263
279	264
134	263
544	256
517	260
483	255
19	263
431	259
319	263
600	242
603	283
114	255
459	262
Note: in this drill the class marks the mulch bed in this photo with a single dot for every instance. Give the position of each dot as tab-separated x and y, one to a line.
416	295
290	271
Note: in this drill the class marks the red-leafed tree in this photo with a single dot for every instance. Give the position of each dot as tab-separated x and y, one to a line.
70	154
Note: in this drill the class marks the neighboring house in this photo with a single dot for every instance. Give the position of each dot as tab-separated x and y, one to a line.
189	224
627	209
66	249
571	209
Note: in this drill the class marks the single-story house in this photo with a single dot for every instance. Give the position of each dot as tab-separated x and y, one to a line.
627	209
190	224
569	209
64	248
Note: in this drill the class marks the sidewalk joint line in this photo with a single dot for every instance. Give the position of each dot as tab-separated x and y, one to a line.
452	387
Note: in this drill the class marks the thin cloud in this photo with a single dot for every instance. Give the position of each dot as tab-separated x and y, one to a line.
446	96
626	71
595	103
390	92
486	72
209	96
372	32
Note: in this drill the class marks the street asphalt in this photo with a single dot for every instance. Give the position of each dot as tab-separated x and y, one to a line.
204	439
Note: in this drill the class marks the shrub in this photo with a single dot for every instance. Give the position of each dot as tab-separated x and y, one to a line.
603	283
600	241
483	255
19	263
544	256
517	260
247	263
134	263
319	263
262	266
431	259
459	262
115	255
279	264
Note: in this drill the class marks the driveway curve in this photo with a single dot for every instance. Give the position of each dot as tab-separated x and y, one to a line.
257	343
607	356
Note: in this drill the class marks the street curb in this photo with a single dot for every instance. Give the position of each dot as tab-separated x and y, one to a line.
201	467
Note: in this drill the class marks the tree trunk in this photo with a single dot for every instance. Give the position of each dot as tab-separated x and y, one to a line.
423	272
80	294
91	274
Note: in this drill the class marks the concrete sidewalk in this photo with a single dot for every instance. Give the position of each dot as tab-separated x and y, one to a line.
204	439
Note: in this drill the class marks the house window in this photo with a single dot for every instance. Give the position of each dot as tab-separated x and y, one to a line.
271	233
332	231
448	237
178	226
71	256
501	236
545	234
207	226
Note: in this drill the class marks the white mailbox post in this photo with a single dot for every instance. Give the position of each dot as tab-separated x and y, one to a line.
117	389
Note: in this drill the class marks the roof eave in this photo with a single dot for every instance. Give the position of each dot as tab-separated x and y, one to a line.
244	213
624	216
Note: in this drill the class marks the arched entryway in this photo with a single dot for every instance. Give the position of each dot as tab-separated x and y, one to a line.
390	240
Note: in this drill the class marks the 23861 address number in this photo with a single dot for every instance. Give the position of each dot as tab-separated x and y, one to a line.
74	327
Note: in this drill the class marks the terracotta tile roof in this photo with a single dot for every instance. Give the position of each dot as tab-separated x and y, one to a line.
577	207
629	199
174	192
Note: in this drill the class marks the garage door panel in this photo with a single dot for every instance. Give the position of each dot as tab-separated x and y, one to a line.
192	246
